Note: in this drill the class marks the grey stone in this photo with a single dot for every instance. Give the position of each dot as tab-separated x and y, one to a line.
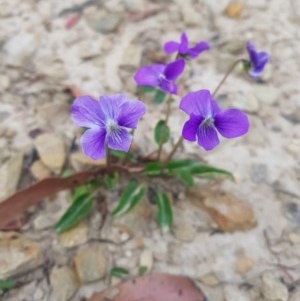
17	254
64	283
20	49
272	289
259	173
103	22
9	175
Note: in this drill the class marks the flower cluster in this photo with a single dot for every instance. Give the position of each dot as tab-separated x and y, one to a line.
109	118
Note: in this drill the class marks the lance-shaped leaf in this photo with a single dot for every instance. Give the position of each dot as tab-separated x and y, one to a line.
161	132
153	168
147	89
185	176
118	272
129	198
159	96
164	211
78	210
6	284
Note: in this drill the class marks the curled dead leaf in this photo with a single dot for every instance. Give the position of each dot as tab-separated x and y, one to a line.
154	287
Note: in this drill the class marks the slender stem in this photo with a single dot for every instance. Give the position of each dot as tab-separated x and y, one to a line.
173	151
125	160
226	75
108	157
164	129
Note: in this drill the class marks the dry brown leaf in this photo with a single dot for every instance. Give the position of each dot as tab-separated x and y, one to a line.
154	287
16	204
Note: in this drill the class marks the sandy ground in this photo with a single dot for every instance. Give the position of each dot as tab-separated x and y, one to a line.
41	58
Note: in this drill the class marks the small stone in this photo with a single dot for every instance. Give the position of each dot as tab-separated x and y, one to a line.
64	283
146	260
225	61
9	133
39	294
184	231
132	56
75	236
81	162
103	22
209	279
232	292
4	82
294	238
39	170
51	151
243	264
20	49
234	9
272	289
43	222
228	212
90	263
17	254
10	173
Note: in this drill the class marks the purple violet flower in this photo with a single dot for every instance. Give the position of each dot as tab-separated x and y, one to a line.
107	121
183	47
161	76
207	119
258	60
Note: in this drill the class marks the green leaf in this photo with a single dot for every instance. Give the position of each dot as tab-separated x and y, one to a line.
111	181
161	132
118	272
118	154
129	198
78	210
142	270
66	173
6	284
80	190
147	89
164	211
185	176
159	96
153	168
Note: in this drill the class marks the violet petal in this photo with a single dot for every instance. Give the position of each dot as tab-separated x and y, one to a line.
85	112
167	86
207	137
199	103
190	128
130	113
184	44
119	139
232	123
174	69
93	143
196	50
171	47
149	75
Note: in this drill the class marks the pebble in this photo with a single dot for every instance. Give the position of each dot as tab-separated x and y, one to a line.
245	101
45	221
146	260
266	95
81	162
17	254
210	279
39	170
259	173
234	9
228	212
103	22
295	296
232	292
243	264
90	263
4	82
272	289
51	150
132	56
189	15
75	236
20	49
64	283
10	173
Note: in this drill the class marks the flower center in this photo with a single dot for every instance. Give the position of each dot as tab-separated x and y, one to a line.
111	126
208	121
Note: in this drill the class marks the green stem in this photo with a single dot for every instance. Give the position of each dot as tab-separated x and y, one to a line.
108	157
164	129
173	151
226	75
